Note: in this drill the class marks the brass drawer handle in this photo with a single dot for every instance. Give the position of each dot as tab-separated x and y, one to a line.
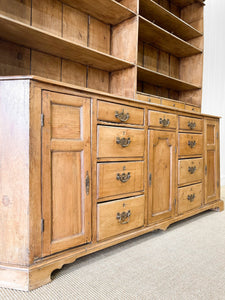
192	169
123	217
192	144
191	125
123	177
164	122
123	142
191	197
122	116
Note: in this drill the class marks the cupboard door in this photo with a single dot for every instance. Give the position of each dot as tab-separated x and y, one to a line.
212	168
66	170
162	173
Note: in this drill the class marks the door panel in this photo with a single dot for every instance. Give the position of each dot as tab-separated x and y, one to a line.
66	204
162	173
212	174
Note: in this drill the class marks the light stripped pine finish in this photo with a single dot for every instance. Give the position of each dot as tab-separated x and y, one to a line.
161	175
65	167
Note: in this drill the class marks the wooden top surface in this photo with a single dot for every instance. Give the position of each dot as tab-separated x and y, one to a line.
92	91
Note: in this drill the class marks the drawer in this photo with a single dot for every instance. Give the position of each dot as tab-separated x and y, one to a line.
119	178
117	113
193	124
148	98
192	108
119	216
162	120
189	197
190	170
190	144
120	142
172	103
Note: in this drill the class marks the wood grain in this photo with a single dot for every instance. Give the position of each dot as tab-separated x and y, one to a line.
108	111
108	147
184	174
31	37
108	183
108	225
185	149
155	116
184	204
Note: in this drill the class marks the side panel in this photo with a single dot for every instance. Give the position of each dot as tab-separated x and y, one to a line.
14	172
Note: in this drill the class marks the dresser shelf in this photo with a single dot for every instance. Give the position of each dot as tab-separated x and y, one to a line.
164	18
107	11
162	39
28	36
159	79
183	3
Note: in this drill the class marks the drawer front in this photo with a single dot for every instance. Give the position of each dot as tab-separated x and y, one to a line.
120	142
191	124
119	178
176	104
119	216
190	144
148	98
116	113
189	197
162	120
190	170
192	108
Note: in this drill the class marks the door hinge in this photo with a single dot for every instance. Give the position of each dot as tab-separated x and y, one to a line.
42	225
218	183
175	149
175	202
150	179
42	120
217	135
87	183
205	170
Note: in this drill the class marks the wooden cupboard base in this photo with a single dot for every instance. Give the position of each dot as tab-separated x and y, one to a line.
38	274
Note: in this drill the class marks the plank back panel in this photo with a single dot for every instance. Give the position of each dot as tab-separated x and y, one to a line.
16	9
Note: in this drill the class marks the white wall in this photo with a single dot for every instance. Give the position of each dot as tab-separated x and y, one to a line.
213	100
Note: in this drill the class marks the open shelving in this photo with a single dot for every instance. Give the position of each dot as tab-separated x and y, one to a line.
107	11
183	3
28	36
160	38
170	22
162	80
108	45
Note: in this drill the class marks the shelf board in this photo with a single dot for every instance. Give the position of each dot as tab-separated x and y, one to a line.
107	11
164	18
183	3
162	39
40	40
158	79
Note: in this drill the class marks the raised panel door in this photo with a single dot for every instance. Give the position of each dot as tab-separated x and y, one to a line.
66	203
162	173
212	178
